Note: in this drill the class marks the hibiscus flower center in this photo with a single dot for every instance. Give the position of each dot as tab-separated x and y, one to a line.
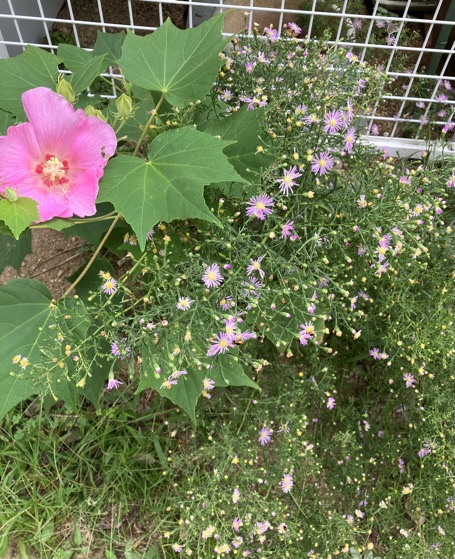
53	171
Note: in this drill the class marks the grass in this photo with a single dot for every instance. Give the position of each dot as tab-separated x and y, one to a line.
135	479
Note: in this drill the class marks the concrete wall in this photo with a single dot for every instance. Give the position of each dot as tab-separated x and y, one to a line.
31	31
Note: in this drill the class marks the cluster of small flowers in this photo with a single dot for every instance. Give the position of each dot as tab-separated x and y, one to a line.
172	380
23	361
223	341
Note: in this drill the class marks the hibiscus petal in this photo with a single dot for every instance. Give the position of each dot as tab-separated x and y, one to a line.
19	154
53	119
84	191
92	140
51	202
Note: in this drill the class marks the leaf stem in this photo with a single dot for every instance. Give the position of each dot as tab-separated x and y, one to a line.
149	123
92	259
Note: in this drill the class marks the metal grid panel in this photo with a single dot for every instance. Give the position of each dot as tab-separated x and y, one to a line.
415	49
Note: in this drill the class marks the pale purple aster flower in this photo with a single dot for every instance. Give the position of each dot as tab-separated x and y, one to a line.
287	229
287	181
441	98
390	40
226	95
311	119
150	234
410	380
236	524
168	383
331	403
401	465
237	542
265	436
177	374
261	58
118	349
255	266
241	337
423	452
109	286
294	28
113	383
220	344
271	34
451	183
349	139
375	130
333	122
380	23
259	206
322	163
226	303
311	308
447	85
249	67
362	202
184	303
236	495
420	105
375	353
424	120
287	483
212	276
208	384
357	23
177	547
230	326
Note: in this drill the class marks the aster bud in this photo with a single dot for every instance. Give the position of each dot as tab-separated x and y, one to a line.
10	194
65	89
124	105
91	111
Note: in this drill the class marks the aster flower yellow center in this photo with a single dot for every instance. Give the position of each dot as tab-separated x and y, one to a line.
260	206
332	122
211	276
287	180
54	170
223	343
322	163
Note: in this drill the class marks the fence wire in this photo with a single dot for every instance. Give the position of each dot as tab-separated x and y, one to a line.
414	42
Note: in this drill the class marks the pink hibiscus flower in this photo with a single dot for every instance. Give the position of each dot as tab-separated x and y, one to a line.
58	157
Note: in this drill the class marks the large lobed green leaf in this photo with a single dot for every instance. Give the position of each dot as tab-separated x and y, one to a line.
12	251
109	45
18	214
33	68
85	66
171	184
243	127
182	65
25	312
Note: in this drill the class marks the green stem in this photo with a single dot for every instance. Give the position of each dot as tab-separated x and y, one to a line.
92	259
147	126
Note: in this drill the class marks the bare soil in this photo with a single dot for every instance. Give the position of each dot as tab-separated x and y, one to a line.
145	14
53	260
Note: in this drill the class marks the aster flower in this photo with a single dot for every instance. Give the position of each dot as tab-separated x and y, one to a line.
177	547
361	202
333	122
287	181
410	380
184	303
282	528
287	483
236	495
58	157
322	163
109	286
241	337
287	229
168	383
349	139
236	524
226	303
249	67
265	436
226	95
294	28
120	350
375	353
221	344
331	403
212	276
255	266
375	130
208	384
113	383
259	206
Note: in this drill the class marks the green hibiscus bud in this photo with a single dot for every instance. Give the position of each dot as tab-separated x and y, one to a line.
124	105
91	111
65	89
10	194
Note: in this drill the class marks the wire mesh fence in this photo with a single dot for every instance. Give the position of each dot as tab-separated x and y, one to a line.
412	41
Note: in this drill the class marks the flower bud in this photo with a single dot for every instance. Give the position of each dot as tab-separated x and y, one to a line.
91	111
65	89
10	194
124	105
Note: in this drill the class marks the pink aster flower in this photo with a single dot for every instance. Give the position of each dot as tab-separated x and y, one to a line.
212	276
287	229
333	122
221	344
287	483
331	403
265	435
287	181
259	206
349	139
58	157
322	163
